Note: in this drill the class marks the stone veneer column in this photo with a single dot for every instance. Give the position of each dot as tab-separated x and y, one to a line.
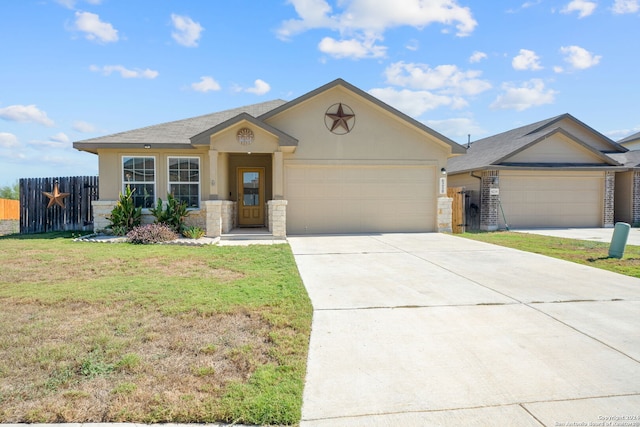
444	214
488	202
609	201
277	218
213	217
635	193
101	211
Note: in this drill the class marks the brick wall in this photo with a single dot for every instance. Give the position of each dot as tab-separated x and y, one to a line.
488	202
609	201
635	215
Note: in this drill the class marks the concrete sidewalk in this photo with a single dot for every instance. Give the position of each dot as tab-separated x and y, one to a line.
432	329
594	234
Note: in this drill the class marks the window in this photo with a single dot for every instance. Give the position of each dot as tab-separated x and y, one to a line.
184	180
140	174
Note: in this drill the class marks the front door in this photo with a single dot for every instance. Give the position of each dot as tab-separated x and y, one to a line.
251	197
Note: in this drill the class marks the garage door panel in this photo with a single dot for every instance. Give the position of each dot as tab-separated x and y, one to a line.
552	200
348	199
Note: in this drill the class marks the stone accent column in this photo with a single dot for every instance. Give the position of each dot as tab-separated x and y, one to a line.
213	217
609	201
444	214
489	203
277	218
101	211
229	215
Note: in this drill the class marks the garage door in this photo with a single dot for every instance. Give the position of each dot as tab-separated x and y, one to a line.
571	199
358	199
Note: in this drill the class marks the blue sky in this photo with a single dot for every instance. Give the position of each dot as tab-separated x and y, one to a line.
77	69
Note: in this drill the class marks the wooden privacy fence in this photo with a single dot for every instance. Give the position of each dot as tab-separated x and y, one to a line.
76	215
457	209
9	209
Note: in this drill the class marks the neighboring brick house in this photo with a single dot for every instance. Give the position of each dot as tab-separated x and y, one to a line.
557	172
631	142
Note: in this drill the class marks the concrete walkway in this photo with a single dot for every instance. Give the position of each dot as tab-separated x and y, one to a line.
432	329
594	234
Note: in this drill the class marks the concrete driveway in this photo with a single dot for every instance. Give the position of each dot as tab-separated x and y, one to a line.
432	329
595	234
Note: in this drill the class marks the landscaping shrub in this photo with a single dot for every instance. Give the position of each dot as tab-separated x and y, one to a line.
193	232
125	215
172	213
151	233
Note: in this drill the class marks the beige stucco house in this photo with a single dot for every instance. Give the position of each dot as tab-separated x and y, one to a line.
631	142
557	172
335	160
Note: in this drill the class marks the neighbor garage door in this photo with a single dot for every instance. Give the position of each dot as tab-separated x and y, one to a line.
561	199
357	199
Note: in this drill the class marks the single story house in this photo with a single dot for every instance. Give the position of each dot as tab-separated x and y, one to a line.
334	160
557	172
631	142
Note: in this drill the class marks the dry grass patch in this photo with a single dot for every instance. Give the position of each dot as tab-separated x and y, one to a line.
85	363
149	334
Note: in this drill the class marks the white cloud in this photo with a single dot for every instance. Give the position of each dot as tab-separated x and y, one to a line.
353	48
260	87
125	72
530	94
583	7
8	140
415	103
413	45
477	56
457	127
374	17
84	127
187	32
206	84
25	114
625	6
619	134
70	4
579	58
447	79
95	29
526	60
60	137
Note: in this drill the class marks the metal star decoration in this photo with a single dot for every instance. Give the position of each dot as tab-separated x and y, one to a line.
340	120
56	197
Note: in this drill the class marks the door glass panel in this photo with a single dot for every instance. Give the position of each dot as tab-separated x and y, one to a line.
251	188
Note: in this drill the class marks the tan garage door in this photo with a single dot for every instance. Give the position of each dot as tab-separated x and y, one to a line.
358	199
571	199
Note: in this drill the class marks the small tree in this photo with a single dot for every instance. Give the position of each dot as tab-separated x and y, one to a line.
125	215
172	213
11	192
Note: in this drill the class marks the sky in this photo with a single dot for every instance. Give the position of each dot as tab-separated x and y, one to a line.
77	69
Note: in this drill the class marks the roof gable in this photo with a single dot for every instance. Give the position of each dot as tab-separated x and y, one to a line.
203	138
174	134
557	146
491	151
455	147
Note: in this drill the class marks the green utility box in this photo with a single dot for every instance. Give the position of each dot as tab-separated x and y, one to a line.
619	240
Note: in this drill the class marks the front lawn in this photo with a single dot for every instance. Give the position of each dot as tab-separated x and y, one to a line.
594	254
96	332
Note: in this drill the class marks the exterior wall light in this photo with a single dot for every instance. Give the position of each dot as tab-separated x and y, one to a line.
147	146
443	171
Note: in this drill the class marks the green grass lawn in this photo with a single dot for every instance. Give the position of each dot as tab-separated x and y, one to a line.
594	254
95	332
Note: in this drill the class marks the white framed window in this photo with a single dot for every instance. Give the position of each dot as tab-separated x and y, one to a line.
139	173
184	180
